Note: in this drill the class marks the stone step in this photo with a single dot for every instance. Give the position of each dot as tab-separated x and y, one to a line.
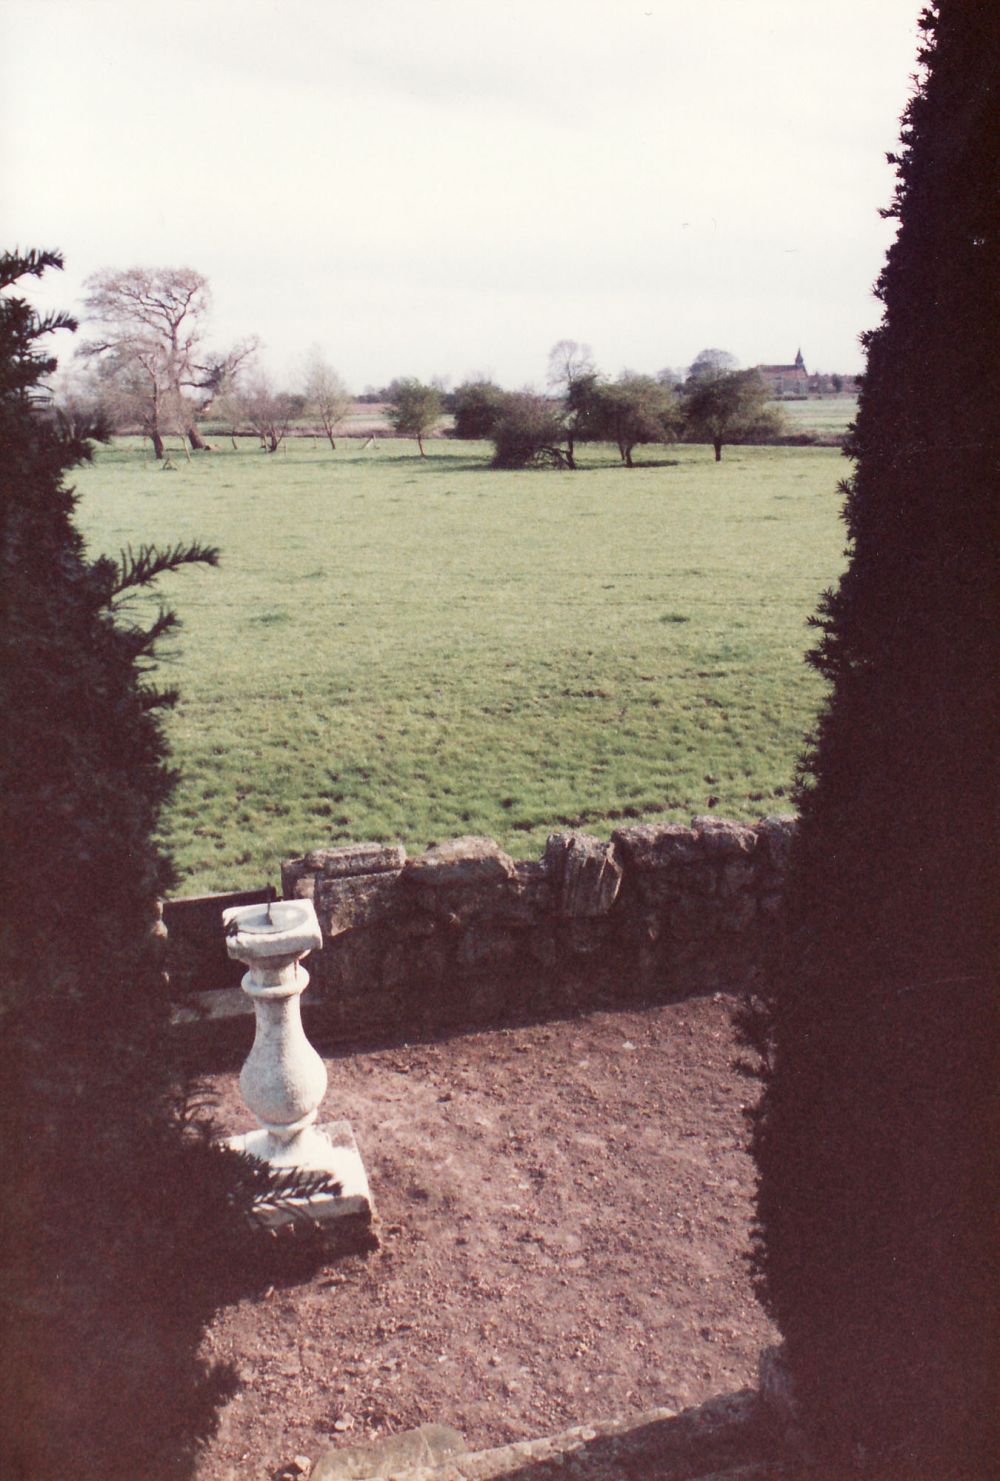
725	1439
393	1455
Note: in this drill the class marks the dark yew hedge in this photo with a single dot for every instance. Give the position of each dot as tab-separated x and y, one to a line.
122	1226
874	1140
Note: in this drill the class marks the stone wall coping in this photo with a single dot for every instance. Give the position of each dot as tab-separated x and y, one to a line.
476	858
471	859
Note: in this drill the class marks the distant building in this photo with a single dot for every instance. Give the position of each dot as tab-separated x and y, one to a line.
786	380
794	380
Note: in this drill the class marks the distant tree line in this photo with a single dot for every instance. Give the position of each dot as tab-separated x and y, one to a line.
146	366
715	403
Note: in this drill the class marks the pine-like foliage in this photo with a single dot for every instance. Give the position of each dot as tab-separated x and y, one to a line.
118	1215
875	1245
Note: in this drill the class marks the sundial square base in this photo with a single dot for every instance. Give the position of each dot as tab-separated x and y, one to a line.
330	1148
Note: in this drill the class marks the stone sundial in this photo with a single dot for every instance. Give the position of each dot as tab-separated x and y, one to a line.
284	1080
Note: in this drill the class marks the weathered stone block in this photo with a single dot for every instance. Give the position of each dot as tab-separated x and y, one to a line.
775	836
423	975
532	883
356	900
299	876
398	963
356	858
297	880
723	840
701	879
349	968
486	941
412	924
523	902
656	845
586	935
740	910
654	889
586	873
661	889
694	916
460	862
734	876
541	945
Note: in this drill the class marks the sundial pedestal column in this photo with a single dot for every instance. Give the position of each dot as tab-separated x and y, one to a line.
284	1080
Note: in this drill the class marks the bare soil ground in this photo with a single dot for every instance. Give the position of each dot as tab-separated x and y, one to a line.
564	1213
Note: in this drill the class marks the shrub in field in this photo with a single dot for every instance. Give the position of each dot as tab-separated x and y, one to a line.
478	406
531	433
118	1213
875	1132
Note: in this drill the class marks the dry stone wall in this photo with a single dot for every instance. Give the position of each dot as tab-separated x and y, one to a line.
464	934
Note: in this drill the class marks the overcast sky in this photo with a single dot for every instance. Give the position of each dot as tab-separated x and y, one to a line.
447	186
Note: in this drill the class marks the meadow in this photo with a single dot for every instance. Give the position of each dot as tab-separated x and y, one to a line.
411	649
829	415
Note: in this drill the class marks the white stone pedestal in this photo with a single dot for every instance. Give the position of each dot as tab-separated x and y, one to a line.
284	1080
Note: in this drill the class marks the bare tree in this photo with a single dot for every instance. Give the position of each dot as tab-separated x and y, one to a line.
326	394
571	372
149	338
136	390
269	412
569	362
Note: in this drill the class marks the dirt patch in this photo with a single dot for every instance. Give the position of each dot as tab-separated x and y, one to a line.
564	1211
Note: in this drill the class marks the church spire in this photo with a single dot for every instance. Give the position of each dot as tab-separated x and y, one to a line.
800	364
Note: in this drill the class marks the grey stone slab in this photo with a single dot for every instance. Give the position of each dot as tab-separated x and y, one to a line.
718	1441
393	1454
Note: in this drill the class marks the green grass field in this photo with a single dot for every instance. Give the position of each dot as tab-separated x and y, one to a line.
833	414
398	648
